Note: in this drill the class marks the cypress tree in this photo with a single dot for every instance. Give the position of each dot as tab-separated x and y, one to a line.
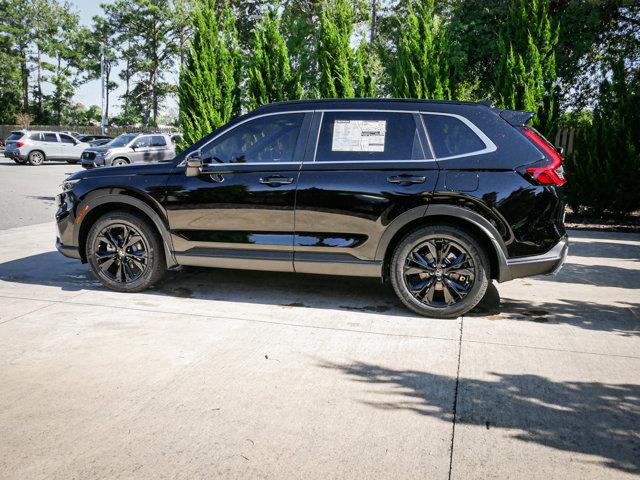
421	68
208	89
270	74
335	56
526	73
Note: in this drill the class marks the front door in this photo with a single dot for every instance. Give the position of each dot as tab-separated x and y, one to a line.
141	150
70	148
239	212
369	168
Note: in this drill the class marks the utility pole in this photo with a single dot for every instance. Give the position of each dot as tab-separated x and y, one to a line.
103	123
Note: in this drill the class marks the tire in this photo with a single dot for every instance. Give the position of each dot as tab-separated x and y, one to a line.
442	289
133	268
116	162
36	158
18	161
72	162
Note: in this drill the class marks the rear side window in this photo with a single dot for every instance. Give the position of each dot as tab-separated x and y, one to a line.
450	136
158	141
50	137
15	136
368	136
37	136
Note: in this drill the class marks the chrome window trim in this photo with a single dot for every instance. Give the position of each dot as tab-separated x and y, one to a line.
226	130
490	147
374	162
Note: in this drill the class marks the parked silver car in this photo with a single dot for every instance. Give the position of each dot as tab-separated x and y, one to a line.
35	147
130	148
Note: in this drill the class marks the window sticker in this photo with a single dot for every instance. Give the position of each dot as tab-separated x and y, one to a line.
359	135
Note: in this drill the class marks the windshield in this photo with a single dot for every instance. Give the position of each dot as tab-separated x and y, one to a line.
122	140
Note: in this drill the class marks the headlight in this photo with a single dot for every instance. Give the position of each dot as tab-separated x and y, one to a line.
69	184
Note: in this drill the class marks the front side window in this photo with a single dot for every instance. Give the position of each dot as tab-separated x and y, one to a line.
450	136
158	141
122	140
51	137
368	136
271	138
66	139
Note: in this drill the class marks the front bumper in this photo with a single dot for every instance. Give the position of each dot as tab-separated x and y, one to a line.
67	250
548	263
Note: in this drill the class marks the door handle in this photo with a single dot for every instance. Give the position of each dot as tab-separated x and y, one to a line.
276	180
406	179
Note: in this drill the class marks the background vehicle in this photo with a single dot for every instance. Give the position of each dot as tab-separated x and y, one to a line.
35	147
437	198
130	148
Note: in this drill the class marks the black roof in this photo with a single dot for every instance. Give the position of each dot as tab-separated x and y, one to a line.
338	103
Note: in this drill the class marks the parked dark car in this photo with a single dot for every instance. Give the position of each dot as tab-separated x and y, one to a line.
437	198
92	139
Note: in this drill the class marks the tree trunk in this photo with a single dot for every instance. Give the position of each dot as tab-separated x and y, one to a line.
39	85
374	14
24	71
154	77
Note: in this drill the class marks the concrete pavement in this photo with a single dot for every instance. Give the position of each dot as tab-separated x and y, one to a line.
237	374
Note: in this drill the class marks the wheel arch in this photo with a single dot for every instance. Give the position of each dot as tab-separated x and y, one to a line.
123	157
100	205
476	225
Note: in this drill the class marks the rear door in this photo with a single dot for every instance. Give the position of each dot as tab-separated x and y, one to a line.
239	212
159	148
369	168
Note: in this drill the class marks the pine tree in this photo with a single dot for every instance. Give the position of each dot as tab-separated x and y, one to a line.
526	74
335	56
208	90
421	68
270	74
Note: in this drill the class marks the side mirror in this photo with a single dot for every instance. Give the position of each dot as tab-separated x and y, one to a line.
194	164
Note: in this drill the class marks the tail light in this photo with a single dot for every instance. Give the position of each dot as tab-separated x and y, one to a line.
20	144
552	173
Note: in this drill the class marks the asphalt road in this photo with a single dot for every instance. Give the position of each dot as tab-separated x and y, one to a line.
242	375
28	193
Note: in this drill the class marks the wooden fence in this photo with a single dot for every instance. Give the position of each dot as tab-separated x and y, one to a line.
5	130
565	138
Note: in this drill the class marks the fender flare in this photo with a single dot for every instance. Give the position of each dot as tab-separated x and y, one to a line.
455	212
94	201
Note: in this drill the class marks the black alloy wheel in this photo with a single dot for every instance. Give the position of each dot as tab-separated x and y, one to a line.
125	252
439	271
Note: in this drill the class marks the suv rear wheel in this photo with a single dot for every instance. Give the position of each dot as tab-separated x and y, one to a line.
439	271
36	158
125	252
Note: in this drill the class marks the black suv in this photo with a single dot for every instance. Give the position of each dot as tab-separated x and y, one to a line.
437	198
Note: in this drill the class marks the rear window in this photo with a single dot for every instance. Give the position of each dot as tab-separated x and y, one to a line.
450	136
368	136
15	136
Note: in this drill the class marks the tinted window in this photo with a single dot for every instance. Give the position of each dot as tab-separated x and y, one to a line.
368	136
66	139
37	136
123	140
266	139
142	142
50	137
158	141
450	136
15	136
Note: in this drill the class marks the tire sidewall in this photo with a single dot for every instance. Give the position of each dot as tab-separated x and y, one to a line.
118	162
154	251
481	270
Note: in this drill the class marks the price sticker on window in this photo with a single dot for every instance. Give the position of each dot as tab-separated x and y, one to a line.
359	135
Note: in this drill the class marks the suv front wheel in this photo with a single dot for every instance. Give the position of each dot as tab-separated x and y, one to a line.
125	252
439	271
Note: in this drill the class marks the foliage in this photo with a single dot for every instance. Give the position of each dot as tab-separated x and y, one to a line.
604	171
208	85
335	56
24	120
270	75
420	69
526	73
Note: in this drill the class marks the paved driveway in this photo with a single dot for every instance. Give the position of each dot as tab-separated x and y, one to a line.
260	375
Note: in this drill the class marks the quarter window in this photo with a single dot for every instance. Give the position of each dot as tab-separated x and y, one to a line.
36	136
368	136
271	138
158	141
50	137
451	137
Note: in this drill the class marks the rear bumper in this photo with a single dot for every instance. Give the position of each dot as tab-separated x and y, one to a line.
548	263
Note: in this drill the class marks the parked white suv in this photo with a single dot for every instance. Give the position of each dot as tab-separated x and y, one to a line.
35	147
